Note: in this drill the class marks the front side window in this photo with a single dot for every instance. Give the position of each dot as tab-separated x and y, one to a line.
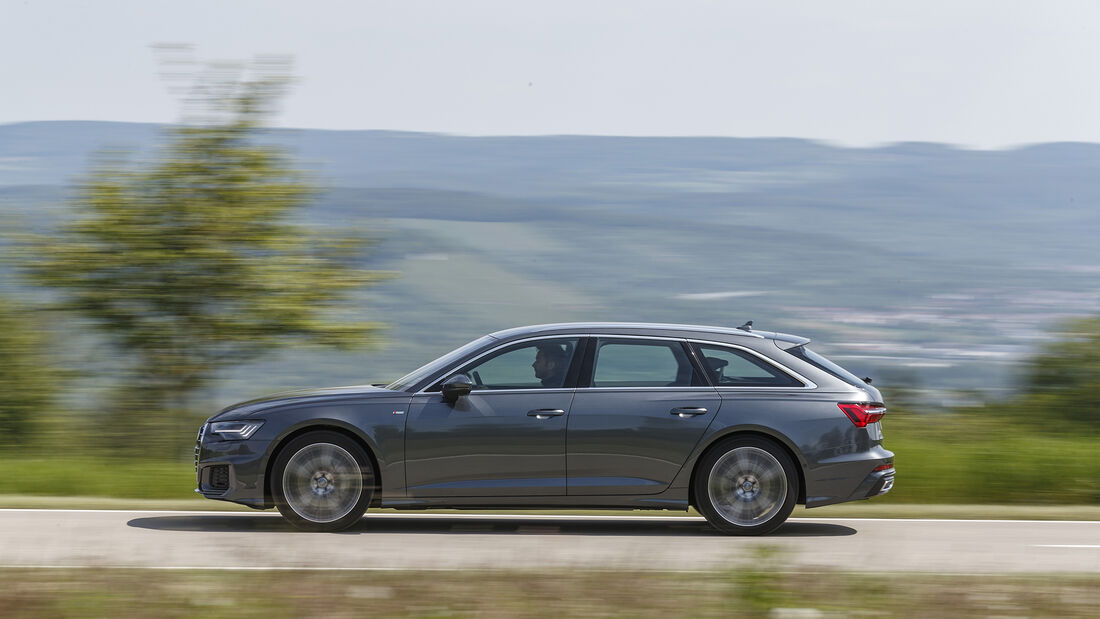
425	371
731	367
642	363
539	364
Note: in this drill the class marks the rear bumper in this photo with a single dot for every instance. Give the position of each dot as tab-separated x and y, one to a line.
883	484
851	480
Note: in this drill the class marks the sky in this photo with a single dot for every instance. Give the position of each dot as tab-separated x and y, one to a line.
976	74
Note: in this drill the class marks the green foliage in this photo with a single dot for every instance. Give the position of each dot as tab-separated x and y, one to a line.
26	375
761	583
89	476
985	455
190	262
1063	381
532	593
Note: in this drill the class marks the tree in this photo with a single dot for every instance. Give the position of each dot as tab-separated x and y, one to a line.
1063	380
190	262
27	378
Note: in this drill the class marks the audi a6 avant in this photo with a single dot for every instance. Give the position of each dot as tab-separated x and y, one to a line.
740	424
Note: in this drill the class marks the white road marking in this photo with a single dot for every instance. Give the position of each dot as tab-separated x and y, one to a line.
444	516
231	568
1066	545
572	570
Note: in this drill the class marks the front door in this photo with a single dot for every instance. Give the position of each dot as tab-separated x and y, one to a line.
507	438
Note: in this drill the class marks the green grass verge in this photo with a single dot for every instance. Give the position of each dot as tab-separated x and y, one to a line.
980	458
97	477
758	592
942	460
859	509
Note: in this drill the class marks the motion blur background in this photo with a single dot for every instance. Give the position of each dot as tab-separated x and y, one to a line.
207	202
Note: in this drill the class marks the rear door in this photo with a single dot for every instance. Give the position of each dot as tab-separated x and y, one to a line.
641	406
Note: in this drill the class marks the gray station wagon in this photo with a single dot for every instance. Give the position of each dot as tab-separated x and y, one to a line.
740	424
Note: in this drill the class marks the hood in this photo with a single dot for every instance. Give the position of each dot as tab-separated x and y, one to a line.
250	407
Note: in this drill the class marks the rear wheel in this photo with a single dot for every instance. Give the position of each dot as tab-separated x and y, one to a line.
322	481
746	486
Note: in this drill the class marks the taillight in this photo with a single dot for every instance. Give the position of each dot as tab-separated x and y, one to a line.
863	413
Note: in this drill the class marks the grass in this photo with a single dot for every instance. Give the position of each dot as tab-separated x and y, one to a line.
960	465
858	509
764	591
86	476
981	458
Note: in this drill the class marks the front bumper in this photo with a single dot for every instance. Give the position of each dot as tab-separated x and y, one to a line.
231	470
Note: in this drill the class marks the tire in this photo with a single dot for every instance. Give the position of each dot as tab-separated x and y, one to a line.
322	481
746	486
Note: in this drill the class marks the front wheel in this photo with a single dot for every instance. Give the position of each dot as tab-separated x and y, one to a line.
746	486
322	481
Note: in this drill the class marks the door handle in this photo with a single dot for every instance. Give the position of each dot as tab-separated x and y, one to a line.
545	413
687	411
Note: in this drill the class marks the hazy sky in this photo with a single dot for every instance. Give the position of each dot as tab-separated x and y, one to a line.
973	73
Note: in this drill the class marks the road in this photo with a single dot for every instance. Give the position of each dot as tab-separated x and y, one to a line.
390	541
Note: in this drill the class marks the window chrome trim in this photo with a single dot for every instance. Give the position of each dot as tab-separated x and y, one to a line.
706	388
807	383
453	369
491	391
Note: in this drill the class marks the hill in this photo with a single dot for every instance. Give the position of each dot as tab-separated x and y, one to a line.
921	263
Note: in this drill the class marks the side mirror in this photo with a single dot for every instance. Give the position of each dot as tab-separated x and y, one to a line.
456	387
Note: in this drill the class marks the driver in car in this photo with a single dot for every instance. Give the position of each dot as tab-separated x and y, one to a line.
550	364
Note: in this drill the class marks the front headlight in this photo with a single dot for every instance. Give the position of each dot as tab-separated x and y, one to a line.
235	430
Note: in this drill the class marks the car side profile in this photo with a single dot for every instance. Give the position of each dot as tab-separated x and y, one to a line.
740	424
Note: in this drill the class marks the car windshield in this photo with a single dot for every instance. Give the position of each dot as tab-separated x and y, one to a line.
821	362
441	363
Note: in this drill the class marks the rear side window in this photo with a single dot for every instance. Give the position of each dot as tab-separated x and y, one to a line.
821	363
641	363
730	367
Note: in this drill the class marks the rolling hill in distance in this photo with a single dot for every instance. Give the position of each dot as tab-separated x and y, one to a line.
918	264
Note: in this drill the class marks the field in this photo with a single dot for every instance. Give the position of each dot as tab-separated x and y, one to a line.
920	265
944	459
765	591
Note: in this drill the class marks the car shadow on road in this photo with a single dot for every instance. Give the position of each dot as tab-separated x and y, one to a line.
492	525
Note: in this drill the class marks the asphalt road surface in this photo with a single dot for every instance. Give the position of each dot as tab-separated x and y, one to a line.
390	541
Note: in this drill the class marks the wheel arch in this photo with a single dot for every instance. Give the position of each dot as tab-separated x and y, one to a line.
778	439
321	425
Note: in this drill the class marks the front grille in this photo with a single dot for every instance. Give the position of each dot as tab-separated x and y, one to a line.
219	477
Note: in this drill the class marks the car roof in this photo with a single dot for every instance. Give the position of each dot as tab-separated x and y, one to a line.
647	328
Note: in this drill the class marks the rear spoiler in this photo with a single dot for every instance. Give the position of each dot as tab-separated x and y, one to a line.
786	341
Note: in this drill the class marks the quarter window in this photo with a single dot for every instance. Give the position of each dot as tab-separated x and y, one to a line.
730	367
641	363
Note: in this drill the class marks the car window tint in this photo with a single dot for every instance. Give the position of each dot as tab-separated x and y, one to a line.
541	364
641	363
730	367
821	363
447	360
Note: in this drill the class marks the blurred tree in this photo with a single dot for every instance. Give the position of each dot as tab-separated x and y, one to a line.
1063	380
27	378
190	262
